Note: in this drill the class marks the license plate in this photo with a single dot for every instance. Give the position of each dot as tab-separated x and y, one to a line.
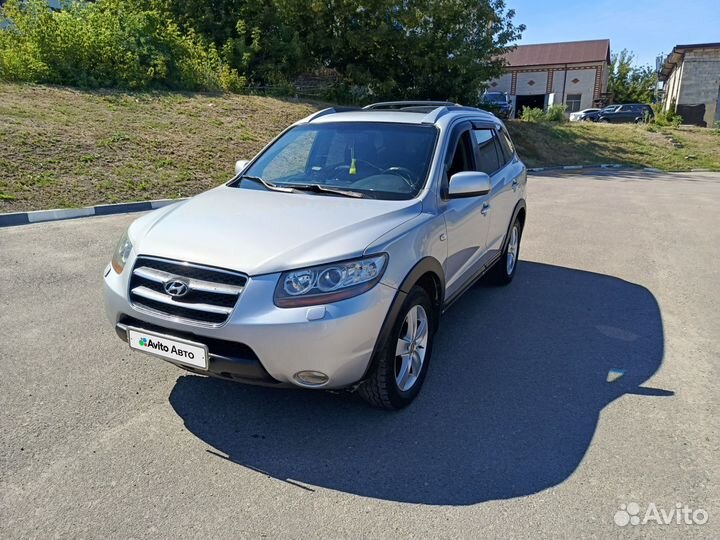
169	348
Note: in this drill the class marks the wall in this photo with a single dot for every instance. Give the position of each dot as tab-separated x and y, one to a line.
503	84
589	80
701	81
585	85
531	83
672	88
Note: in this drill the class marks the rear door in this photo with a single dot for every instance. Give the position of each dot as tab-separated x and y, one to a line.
504	194
625	114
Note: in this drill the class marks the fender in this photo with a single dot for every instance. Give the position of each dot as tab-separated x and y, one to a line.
423	266
519	206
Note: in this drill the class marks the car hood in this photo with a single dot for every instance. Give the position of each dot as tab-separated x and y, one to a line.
261	232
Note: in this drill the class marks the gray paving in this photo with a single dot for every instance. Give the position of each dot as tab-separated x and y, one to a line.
516	434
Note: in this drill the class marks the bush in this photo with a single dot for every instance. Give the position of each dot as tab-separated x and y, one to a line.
554	113
532	114
667	118
107	44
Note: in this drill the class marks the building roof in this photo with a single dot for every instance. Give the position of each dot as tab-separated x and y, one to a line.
569	52
676	57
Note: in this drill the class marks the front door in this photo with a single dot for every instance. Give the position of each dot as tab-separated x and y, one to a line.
466	219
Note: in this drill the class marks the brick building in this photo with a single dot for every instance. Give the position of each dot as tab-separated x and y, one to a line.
573	73
691	77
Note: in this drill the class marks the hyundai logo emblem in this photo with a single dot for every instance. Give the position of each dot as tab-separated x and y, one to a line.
176	287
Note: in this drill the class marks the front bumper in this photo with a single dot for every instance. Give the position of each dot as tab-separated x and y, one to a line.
336	339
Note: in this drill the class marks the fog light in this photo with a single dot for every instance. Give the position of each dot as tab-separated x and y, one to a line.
311	378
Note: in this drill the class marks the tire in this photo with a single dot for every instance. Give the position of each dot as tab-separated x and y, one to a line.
503	271
387	385
604	121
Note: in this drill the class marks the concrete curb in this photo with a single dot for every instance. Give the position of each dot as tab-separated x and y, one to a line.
38	216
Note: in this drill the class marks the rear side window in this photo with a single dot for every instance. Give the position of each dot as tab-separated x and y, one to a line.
507	146
488	160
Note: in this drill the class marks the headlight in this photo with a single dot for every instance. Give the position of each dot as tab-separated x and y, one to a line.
329	282
122	252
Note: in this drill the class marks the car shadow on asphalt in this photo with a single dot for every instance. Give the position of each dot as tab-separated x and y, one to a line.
519	376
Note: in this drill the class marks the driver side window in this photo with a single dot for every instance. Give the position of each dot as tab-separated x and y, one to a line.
462	156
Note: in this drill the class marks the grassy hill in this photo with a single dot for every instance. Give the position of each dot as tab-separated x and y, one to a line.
682	149
64	147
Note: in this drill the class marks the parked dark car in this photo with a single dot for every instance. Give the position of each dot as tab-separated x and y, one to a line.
593	116
497	103
627	112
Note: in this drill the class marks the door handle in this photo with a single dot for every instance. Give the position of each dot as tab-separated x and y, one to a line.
485	208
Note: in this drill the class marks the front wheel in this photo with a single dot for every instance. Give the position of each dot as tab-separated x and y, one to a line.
503	272
400	367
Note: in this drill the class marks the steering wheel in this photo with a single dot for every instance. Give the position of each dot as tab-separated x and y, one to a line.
402	172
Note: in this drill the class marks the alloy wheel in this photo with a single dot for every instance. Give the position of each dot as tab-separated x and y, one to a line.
512	250
411	348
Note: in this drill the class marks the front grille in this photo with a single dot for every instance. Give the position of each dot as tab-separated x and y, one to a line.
211	292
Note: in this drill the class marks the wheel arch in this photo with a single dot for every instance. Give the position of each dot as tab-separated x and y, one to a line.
429	274
519	213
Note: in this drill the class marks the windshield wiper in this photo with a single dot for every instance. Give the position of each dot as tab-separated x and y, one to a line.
265	183
317	188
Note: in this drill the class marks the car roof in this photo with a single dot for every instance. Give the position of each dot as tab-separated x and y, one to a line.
409	112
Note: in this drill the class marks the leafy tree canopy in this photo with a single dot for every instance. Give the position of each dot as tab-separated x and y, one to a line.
373	49
630	83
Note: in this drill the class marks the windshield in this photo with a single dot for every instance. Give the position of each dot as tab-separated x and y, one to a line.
494	98
378	160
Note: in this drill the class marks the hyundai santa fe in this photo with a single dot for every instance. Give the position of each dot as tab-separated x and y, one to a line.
328	259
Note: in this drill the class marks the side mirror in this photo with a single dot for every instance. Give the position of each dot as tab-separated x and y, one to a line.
240	165
469	184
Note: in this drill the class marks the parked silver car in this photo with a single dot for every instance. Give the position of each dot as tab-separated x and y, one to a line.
581	116
328	259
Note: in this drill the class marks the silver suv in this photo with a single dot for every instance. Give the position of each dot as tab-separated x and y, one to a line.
328	259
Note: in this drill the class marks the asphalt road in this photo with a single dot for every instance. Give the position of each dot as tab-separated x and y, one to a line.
517	432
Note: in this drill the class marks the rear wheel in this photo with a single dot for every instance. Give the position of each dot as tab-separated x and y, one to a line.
400	367
503	272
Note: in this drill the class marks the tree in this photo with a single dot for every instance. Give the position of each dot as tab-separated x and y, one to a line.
630	83
407	49
378	49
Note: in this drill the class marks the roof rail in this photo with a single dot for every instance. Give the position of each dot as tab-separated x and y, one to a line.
330	110
404	104
434	115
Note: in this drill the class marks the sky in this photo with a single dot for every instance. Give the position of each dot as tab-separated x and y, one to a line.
644	27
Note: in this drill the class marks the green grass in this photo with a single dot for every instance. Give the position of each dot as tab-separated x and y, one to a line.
546	145
66	147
